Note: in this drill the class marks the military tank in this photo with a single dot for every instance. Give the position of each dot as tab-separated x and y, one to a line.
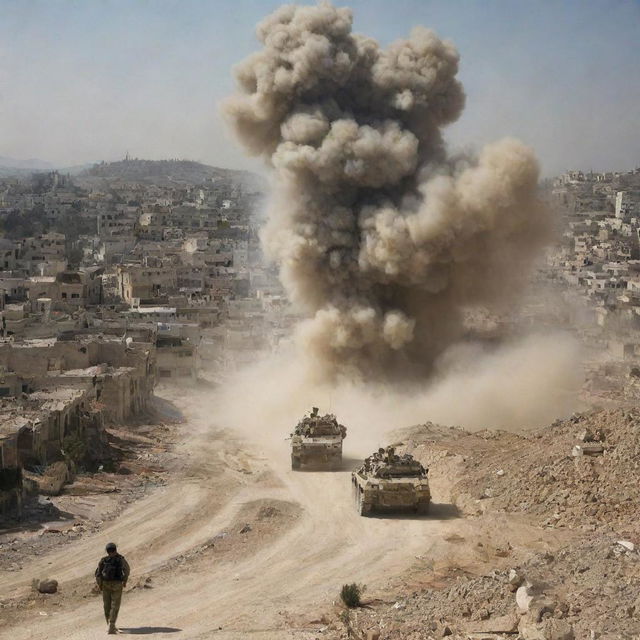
317	442
390	482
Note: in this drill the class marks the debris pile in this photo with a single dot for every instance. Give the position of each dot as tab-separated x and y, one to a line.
587	590
580	471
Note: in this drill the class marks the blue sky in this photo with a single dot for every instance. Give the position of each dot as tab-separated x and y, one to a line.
85	80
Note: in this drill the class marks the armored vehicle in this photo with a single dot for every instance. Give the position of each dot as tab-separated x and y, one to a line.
317	442
390	482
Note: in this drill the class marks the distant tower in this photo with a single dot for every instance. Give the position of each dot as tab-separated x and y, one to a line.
126	157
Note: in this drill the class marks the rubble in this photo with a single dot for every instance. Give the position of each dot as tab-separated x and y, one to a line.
555	488
546	630
587	450
515	578
629	546
524	597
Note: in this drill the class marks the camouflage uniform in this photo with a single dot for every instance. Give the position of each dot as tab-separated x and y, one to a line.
112	591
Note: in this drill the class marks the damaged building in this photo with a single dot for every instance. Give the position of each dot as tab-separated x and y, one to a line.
53	390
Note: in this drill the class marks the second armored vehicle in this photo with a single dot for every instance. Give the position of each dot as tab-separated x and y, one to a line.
317	442
390	482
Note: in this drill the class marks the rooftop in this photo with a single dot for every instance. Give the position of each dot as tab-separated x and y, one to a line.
152	310
11	422
56	399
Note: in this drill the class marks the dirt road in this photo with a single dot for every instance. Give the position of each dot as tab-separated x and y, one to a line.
267	587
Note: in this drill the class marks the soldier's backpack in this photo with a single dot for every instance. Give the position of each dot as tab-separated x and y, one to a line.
112	568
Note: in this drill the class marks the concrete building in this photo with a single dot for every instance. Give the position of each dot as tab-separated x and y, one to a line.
81	288
177	357
11	487
145	283
9	252
627	205
44	255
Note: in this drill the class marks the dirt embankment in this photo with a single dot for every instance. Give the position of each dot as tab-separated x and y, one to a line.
587	587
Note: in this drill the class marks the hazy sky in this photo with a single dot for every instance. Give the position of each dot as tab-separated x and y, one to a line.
86	80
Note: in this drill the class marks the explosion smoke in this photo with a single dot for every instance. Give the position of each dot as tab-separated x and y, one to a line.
380	237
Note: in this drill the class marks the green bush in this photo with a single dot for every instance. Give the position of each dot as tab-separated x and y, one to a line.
350	594
74	449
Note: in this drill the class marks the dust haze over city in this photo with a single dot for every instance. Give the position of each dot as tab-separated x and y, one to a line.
326	314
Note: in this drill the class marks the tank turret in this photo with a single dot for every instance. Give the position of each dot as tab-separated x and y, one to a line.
317	441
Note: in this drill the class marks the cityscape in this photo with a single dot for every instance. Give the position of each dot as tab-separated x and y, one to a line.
366	384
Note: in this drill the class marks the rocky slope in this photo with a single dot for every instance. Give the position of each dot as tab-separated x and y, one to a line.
579	476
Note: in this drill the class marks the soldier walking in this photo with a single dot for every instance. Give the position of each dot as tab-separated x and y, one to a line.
112	575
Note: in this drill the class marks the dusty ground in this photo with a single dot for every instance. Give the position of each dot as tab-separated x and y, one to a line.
200	572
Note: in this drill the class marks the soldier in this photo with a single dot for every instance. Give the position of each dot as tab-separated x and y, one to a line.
112	575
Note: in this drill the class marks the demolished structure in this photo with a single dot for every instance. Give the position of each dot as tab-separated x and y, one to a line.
56	391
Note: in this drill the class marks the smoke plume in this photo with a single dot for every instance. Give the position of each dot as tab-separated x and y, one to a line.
381	237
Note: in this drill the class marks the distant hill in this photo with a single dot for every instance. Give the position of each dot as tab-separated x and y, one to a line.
20	168
75	170
166	171
32	164
13	167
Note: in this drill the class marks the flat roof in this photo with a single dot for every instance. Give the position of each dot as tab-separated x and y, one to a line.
79	373
33	342
15	418
56	399
152	310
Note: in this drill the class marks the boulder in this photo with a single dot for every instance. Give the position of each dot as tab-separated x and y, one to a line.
47	586
515	578
541	607
549	629
524	597
629	546
497	624
587	449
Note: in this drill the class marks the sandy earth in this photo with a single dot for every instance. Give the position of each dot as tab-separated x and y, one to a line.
269	585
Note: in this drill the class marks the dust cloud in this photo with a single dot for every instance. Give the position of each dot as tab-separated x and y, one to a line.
525	384
382	237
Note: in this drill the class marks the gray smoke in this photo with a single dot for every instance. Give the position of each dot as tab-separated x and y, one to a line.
380	236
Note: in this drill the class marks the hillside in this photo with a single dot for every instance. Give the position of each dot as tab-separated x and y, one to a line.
570	571
153	171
